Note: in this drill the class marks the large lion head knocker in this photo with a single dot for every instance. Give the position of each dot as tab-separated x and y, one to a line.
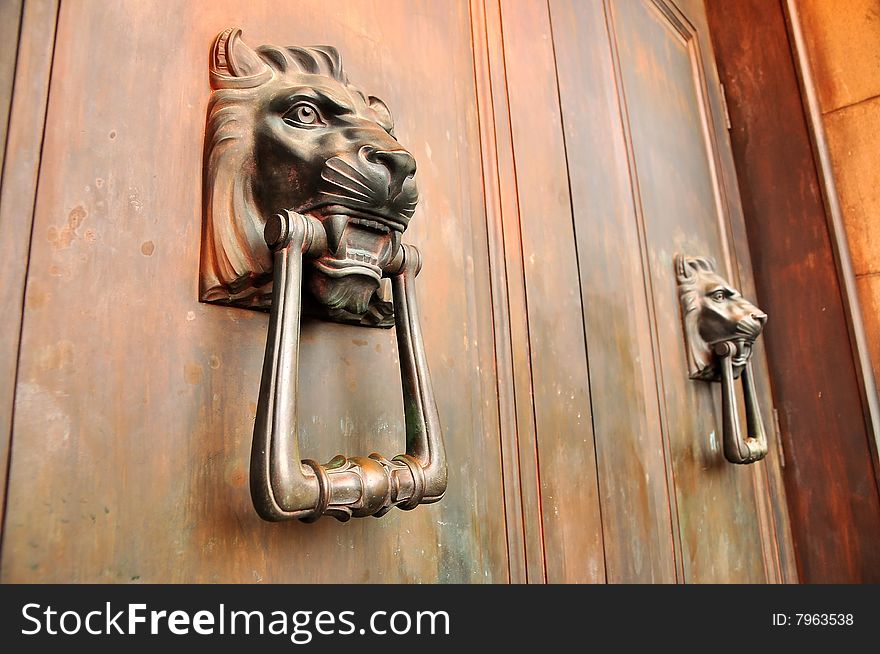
306	188
720	328
288	132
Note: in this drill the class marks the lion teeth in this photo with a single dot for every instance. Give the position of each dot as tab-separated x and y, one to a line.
372	224
335	226
362	256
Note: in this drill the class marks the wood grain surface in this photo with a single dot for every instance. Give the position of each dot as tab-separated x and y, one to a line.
21	166
135	403
636	510
566	151
570	514
10	23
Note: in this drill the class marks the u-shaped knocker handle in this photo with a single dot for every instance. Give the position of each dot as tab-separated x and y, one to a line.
283	486
738	448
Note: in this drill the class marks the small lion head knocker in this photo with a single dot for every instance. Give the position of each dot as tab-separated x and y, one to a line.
720	328
715	315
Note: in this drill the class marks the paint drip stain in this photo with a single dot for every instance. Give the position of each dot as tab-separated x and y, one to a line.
62	237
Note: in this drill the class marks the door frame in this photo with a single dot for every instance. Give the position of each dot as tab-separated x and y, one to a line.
822	380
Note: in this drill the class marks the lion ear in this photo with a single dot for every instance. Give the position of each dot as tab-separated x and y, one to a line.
685	267
383	112
234	64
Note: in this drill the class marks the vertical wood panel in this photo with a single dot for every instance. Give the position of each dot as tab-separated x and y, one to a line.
505	369
21	165
548	302
769	486
566	450
10	22
511	292
638	526
135	403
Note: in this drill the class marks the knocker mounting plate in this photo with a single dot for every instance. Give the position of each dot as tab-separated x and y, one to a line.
307	194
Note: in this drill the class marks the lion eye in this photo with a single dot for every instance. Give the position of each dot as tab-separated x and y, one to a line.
303	114
306	114
719	296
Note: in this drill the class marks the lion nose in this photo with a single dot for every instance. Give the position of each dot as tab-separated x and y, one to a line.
399	163
759	317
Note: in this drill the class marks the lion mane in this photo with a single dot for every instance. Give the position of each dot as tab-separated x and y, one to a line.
236	263
688	272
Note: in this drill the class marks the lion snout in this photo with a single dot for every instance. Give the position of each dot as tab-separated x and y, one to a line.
753	314
388	169
379	181
400	163
752	324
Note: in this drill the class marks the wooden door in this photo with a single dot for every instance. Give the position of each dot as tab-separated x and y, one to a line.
135	403
619	142
674	192
566	152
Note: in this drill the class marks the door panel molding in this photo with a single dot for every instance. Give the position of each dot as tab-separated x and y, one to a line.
547	345
566	451
704	566
18	198
512	361
637	518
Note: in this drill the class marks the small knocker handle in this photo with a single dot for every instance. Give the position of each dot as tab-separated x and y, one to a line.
283	486
739	449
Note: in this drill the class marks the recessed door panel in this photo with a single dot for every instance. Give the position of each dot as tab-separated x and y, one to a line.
650	178
681	209
635	484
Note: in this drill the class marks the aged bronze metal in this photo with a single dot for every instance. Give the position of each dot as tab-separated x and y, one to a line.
286	131
720	328
307	188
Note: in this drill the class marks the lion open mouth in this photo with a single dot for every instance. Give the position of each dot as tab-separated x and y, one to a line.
747	331
358	243
743	352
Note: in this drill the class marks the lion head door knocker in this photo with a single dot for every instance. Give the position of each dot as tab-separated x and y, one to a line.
307	194
720	328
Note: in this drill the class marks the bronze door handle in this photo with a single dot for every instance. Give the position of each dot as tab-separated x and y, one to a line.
327	151
738	448
720	329
283	487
